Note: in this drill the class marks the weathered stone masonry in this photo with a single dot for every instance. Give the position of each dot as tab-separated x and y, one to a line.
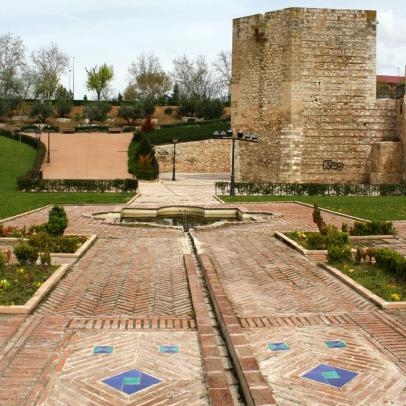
305	81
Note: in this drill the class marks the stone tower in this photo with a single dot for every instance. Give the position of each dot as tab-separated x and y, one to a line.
304	80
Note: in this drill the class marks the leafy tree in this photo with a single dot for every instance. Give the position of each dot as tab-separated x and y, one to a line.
49	65
149	106
148	79
7	106
132	113
62	93
98	79
42	111
175	93
63	107
210	109
97	111
141	159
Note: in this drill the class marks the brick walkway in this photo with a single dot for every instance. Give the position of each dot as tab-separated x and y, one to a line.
279	296
136	290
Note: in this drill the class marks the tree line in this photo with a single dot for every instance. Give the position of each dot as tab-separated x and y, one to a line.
194	84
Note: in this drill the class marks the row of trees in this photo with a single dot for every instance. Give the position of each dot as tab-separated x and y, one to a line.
37	76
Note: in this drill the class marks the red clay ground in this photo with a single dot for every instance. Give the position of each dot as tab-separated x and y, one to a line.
87	156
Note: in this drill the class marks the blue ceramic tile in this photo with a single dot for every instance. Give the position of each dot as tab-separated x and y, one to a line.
336	344
278	346
330	375
169	349
102	349
131	381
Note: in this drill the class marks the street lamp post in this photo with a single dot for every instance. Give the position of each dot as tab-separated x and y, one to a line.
174	159
38	138
49	147
241	136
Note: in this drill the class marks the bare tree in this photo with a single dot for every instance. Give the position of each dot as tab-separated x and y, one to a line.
195	78
11	63
49	64
222	67
148	79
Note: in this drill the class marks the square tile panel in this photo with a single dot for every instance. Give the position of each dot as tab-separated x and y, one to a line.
336	344
278	346
103	349
169	349
330	375
131	381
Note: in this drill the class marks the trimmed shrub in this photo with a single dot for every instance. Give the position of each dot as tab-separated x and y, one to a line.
57	221
372	228
315	241
318	219
45	258
338	254
2	261
141	158
25	253
168	111
311	189
390	261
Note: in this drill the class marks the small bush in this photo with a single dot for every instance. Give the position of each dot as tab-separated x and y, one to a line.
315	241
168	111
391	261
318	219
338	254
45	258
333	237
57	221
25	253
372	228
2	261
42	241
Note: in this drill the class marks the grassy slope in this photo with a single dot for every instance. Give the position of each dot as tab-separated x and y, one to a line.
15	160
368	207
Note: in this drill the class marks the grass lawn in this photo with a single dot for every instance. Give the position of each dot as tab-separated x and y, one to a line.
15	160
369	207
18	283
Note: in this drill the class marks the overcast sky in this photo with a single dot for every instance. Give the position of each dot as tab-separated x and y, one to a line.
116	31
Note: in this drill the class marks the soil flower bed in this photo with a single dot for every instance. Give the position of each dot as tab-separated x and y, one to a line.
18	283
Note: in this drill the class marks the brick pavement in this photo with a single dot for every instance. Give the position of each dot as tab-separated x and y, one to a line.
280	296
131	289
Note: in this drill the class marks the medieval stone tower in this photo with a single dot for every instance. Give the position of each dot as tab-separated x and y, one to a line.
304	80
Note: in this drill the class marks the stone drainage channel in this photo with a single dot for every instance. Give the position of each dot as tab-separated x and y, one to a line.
228	364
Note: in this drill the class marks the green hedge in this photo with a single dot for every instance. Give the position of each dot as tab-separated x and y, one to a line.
26	139
76	185
391	261
91	128
372	228
311	189
33	128
187	132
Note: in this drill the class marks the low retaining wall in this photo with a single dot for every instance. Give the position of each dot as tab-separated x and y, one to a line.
209	156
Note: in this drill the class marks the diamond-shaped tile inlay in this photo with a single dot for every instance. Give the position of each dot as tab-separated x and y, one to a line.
131	381
169	349
278	346
103	349
330	375
336	344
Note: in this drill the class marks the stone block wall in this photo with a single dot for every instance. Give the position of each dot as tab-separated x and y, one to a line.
305	81
209	156
386	162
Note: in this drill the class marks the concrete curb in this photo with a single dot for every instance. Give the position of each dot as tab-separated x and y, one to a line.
255	388
32	303
361	290
219	389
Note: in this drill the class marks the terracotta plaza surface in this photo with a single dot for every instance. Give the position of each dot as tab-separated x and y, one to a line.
136	321
87	156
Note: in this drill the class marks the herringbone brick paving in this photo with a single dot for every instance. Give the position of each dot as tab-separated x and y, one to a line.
123	291
80	379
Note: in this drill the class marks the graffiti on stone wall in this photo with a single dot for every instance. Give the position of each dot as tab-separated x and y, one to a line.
329	165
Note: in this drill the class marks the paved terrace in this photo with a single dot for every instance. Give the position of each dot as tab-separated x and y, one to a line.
137	289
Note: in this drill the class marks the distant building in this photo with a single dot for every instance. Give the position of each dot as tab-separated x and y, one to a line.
390	87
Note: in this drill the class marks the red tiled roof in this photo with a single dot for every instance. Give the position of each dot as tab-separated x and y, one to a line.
390	79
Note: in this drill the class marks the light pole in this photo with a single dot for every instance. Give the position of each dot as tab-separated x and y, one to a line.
49	147
174	159
37	137
241	136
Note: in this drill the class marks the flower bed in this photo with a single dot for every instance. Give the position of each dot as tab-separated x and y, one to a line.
18	283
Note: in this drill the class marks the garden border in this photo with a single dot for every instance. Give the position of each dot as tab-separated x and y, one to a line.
37	297
366	293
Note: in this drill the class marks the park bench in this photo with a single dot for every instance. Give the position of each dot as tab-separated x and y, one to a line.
68	130
115	130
